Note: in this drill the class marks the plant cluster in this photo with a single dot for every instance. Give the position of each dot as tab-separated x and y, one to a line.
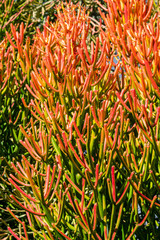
86	155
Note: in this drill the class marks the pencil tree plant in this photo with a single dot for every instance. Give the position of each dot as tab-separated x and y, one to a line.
91	150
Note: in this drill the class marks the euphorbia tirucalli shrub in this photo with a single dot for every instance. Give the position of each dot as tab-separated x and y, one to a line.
14	74
91	168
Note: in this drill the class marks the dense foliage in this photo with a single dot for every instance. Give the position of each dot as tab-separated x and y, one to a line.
79	120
